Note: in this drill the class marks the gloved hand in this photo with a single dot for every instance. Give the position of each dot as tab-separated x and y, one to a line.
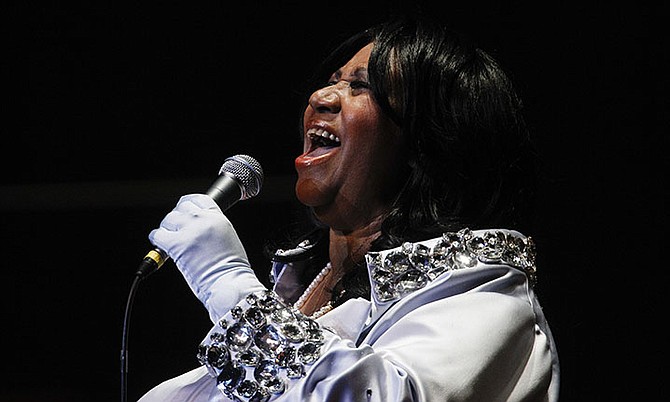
206	249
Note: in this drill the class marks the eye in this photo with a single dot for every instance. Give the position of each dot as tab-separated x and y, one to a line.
359	85
333	80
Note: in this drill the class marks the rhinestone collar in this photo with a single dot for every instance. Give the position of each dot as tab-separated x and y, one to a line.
398	272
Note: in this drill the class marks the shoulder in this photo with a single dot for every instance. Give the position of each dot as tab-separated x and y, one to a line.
457	262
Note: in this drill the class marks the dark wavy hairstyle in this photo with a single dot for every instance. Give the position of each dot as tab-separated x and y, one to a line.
471	158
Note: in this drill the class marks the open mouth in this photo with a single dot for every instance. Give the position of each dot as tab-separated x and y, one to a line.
321	140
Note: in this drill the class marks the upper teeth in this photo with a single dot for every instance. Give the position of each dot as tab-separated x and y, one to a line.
322	133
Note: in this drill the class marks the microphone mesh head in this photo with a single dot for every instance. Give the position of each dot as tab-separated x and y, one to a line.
248	173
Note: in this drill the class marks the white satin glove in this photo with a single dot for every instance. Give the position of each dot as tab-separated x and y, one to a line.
206	249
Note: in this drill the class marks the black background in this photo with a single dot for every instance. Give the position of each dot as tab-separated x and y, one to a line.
115	110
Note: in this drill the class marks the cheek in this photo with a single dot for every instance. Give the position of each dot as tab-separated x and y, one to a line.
377	143
367	127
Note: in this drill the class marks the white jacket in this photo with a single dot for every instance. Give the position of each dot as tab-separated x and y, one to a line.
450	319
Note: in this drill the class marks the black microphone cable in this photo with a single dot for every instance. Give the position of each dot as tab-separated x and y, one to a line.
124	340
150	264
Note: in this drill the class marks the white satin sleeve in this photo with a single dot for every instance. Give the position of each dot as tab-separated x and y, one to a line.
477	346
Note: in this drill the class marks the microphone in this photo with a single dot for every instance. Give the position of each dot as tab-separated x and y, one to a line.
240	178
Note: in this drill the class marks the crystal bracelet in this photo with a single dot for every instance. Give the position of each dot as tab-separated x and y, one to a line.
259	346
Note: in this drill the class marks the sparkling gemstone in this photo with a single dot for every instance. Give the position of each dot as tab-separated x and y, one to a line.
314	335
285	356
202	353
476	245
396	262
298	314
464	234
295	370
268	339
236	312
309	352
530	250
373	259
249	357
438	256
380	275
266	301
420	258
460	259
238	336
218	355
293	332
307	324
266	371
518	253
251	299
202	359
247	388
488	247
515	243
410	281
276	386
217	337
255	317
230	376
495	243
223	323
386	291
261	395
282	314
530	269
452	239
512	257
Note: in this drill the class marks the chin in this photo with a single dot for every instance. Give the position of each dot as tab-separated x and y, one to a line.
311	194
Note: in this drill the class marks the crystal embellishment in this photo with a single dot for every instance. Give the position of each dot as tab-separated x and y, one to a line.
218	355
413	266
238	336
260	345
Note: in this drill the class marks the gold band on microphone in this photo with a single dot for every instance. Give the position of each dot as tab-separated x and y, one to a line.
156	256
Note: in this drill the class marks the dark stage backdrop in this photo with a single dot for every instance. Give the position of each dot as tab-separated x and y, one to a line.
115	110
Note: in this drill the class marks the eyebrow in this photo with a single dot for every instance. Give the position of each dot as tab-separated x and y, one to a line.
359	72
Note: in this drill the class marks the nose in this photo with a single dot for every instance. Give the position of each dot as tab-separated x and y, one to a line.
325	100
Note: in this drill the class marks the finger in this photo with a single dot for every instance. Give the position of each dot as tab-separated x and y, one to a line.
201	201
161	238
174	220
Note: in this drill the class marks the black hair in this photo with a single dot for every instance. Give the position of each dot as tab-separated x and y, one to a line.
472	160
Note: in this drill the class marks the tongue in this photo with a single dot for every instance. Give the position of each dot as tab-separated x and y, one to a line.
320	151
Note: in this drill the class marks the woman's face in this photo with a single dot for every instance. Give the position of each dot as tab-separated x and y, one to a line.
353	162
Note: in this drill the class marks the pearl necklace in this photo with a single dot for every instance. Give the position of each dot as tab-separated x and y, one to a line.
317	280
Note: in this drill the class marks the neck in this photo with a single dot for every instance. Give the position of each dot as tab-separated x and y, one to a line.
349	248
346	250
